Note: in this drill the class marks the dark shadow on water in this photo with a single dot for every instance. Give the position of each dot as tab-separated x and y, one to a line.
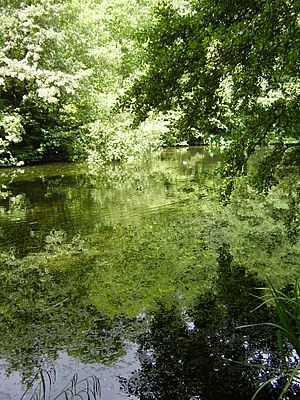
202	355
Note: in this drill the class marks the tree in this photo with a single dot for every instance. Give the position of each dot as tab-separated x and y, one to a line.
62	64
229	68
40	82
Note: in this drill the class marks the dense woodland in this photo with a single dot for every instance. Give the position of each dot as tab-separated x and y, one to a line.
101	81
63	64
106	82
192	71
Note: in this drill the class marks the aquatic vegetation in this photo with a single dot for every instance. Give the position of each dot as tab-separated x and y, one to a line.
43	382
286	304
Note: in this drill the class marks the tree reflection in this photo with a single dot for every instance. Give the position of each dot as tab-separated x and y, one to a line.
202	355
45	310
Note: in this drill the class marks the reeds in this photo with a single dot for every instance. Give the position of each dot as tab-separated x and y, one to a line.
42	383
286	305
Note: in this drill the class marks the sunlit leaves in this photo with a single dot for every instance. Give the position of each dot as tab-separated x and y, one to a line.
36	79
231	68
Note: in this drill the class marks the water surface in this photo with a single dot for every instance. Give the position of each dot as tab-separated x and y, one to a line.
116	271
66	233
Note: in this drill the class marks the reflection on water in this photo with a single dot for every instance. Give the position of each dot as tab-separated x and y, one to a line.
65	369
39	199
67	366
63	232
202	355
94	265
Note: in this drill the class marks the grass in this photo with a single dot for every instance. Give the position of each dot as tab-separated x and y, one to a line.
286	304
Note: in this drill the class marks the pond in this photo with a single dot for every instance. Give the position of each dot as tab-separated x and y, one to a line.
132	274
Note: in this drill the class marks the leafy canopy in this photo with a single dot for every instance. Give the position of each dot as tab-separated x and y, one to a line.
40	82
62	64
230	68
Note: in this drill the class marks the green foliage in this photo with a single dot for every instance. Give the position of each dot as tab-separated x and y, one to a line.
62	67
229	68
111	136
40	79
287	307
